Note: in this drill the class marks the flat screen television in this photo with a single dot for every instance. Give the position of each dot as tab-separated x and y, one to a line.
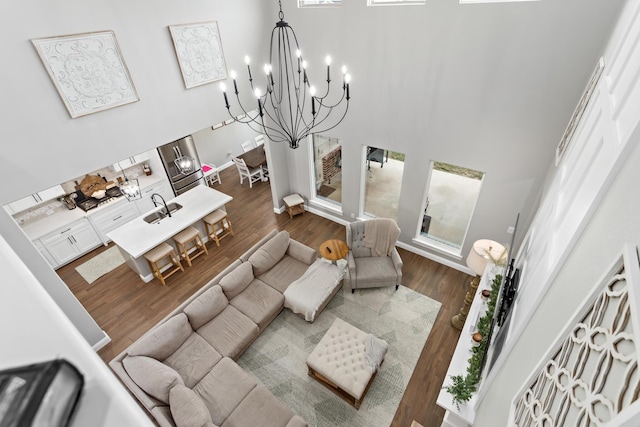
502	313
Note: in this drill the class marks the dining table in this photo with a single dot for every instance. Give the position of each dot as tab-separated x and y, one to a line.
255	158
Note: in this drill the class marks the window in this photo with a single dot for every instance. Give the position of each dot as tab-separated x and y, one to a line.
382	182
451	198
318	3
492	1
327	162
394	2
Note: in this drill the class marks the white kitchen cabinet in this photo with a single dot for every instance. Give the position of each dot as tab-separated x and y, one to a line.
45	253
112	216
130	161
36	198
146	204
70	242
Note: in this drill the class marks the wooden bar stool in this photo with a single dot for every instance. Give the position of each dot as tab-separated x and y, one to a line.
160	257
190	244
217	218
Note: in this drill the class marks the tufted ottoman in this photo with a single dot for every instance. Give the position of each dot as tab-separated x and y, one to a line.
338	362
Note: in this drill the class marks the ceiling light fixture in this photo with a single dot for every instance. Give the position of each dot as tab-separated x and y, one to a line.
284	103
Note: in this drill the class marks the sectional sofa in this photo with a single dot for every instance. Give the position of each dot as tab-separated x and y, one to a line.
183	371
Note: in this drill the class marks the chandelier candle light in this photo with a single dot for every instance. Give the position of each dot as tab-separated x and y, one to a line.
281	114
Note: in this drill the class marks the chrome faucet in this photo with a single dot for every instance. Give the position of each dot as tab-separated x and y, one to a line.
166	208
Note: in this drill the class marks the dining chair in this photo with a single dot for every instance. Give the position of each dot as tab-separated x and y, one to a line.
259	140
244	171
248	145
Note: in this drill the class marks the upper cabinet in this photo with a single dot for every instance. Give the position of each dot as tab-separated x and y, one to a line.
35	198
130	161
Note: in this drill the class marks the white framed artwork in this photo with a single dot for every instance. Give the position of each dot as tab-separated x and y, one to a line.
199	51
88	71
590	375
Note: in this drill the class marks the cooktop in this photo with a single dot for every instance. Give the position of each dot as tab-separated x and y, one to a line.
87	203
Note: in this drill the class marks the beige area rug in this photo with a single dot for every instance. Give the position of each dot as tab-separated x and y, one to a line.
277	358
100	264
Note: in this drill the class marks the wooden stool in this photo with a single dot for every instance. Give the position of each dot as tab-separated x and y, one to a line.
160	257
294	204
190	244
215	218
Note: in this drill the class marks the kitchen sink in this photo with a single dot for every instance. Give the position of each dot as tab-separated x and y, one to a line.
157	216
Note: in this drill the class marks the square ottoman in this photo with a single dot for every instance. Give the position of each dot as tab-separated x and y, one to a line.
338	362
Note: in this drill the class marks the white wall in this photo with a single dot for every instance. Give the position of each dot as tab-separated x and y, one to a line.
46	334
487	86
47	146
591	204
214	145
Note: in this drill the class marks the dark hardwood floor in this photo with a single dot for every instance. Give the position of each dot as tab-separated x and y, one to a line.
125	307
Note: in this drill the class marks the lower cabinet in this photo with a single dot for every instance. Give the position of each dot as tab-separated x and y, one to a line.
68	243
45	253
113	216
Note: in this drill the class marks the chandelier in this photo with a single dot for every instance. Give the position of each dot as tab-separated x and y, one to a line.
289	108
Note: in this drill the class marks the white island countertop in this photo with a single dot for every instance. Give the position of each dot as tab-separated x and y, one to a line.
137	236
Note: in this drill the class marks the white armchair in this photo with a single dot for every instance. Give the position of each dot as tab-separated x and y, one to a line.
367	267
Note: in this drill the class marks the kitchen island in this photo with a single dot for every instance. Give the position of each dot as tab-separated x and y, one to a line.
137	237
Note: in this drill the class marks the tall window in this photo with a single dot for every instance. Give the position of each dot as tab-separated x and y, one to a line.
327	161
394	2
383	182
316	3
451	198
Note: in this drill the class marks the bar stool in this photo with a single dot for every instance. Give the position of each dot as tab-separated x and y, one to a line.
217	218
190	244
160	257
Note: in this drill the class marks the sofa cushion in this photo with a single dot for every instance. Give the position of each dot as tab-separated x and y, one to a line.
284	273
375	269
162	341
259	302
193	359
224	388
230	332
152	376
206	306
260	408
270	253
236	281
188	409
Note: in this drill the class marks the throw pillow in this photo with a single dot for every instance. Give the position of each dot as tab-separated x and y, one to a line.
270	253
206	306
236	281
187	408
164	340
152	376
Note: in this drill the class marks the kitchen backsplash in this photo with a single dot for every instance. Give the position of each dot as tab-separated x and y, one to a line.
52	206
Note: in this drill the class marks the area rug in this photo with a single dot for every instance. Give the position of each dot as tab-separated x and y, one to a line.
100	264
325	190
277	358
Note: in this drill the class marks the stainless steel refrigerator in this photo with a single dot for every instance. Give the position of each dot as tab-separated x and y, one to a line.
180	181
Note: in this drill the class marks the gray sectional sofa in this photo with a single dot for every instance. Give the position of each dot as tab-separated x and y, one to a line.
183	370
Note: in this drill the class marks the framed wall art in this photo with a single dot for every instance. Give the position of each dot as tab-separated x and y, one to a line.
88	71
199	51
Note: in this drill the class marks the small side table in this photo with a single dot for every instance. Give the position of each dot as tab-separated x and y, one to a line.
333	250
294	204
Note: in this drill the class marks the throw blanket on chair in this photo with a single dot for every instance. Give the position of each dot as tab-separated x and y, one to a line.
381	235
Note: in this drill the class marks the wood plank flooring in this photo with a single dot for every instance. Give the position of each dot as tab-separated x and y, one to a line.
125	307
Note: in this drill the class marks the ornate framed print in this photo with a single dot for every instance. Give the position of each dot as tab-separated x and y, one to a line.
199	51
88	71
